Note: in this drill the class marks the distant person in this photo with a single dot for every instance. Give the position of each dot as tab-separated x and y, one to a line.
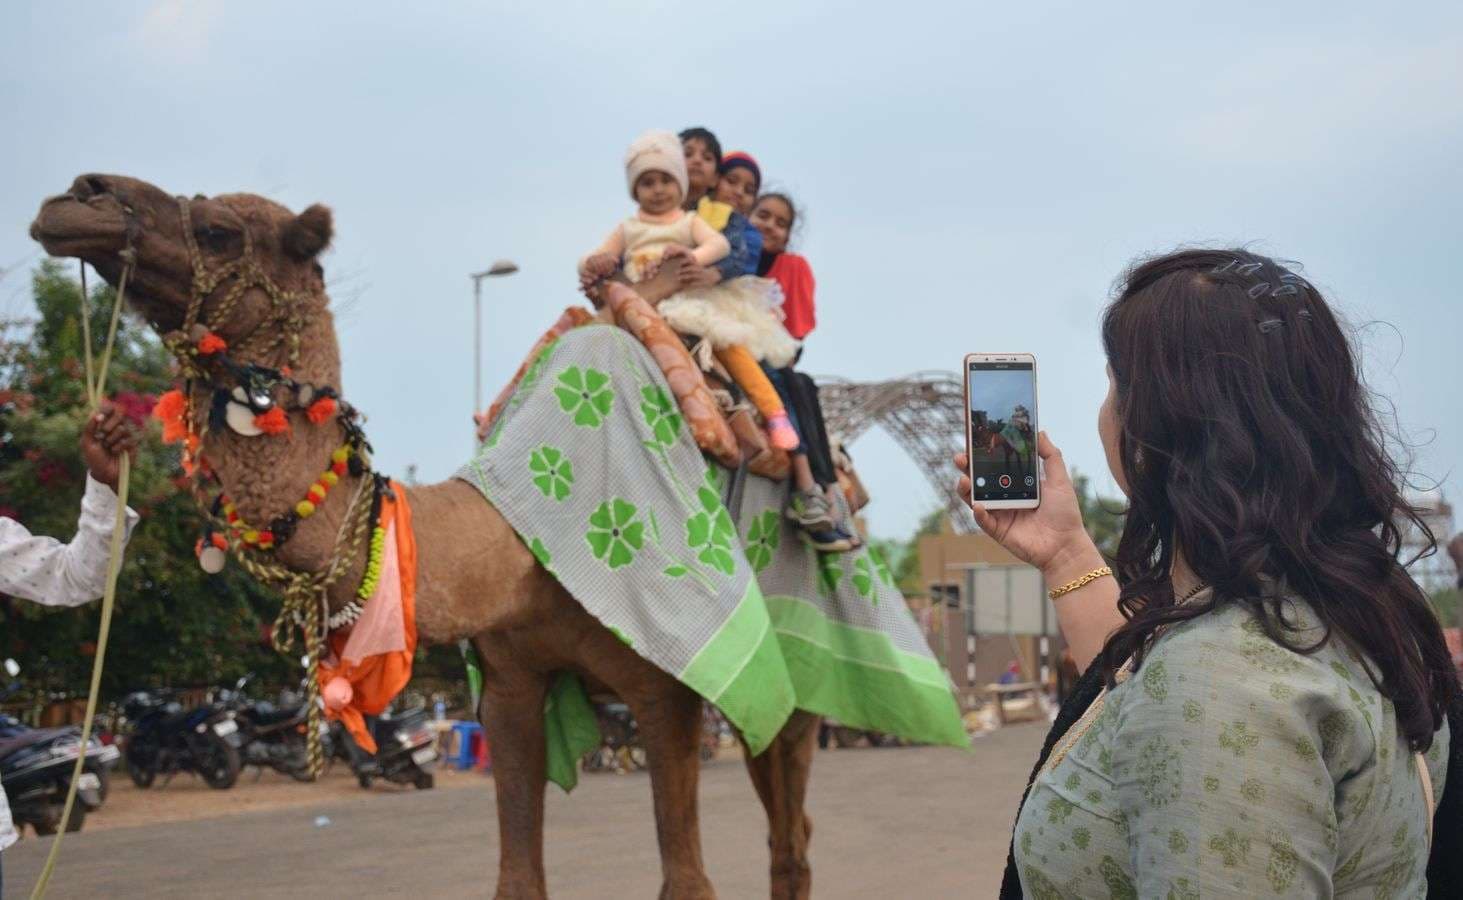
46	571
1275	717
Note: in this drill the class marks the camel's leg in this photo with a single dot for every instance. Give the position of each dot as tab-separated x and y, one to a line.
780	775
512	713
668	715
670	725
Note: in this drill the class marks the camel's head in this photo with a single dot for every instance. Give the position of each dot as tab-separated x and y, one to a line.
102	217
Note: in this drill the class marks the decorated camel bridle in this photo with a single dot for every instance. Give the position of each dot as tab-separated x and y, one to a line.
253	400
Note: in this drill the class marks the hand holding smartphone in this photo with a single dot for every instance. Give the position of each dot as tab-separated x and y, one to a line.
1000	430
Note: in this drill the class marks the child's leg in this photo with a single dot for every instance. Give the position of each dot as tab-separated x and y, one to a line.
748	375
802	474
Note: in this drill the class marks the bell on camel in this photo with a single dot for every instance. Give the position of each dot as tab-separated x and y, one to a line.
211	559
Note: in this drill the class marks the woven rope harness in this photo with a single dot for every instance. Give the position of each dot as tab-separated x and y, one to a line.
305	594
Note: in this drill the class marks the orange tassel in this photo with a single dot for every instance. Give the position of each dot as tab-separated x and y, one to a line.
172	411
320	410
272	422
211	343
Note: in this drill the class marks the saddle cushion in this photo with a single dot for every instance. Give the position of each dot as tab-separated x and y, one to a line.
708	426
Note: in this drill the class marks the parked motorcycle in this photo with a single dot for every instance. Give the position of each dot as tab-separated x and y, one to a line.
36	765
167	739
621	749
405	749
273	736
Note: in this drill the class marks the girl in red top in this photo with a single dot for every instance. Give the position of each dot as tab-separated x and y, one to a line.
774	216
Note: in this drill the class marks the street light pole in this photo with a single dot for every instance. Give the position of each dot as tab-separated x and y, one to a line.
501	267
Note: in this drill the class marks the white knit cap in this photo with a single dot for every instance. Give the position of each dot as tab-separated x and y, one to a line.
656	151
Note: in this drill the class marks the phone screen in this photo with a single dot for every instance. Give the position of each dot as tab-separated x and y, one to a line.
1002	430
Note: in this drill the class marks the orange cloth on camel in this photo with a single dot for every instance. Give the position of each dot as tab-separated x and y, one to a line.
375	653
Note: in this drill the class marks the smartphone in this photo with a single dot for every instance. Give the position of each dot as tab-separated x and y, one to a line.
1000	430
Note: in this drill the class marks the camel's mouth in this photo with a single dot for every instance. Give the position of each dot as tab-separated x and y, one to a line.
100	218
87	222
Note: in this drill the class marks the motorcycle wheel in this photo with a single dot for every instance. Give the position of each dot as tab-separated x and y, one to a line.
141	776
364	781
218	764
104	778
52	825
424	781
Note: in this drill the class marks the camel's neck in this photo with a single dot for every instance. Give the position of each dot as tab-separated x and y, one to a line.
267	475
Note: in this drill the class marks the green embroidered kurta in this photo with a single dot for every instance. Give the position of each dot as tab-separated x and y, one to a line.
1228	766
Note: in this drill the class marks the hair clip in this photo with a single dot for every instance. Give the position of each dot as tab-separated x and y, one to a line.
1285	290
1248	269
1257	291
1304	315
1268	325
1220	270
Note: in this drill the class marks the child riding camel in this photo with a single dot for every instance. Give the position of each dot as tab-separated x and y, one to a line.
735	317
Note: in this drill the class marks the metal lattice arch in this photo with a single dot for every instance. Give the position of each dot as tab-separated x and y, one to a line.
923	412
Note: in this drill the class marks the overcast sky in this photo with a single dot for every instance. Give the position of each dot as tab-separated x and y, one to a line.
999	391
975	175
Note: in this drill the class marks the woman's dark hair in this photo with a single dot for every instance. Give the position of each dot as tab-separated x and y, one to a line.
1249	443
705	136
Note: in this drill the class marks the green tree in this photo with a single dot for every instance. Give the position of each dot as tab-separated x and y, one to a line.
1447	603
174	624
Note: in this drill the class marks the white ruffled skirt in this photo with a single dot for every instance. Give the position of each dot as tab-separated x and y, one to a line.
745	311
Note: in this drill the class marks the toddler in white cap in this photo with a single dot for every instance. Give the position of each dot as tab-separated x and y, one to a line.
655	172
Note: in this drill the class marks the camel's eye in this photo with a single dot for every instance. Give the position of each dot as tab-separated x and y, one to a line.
215	237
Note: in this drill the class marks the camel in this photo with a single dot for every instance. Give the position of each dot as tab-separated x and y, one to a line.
987	436
476	579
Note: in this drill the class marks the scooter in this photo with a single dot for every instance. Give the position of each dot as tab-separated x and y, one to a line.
166	740
405	749
36	765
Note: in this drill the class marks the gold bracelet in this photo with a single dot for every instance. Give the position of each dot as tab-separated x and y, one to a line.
1085	580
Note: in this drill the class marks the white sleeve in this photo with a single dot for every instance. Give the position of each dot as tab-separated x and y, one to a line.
55	574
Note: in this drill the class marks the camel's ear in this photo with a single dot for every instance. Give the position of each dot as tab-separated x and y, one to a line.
308	233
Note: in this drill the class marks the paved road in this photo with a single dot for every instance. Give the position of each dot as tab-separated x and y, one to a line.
915	822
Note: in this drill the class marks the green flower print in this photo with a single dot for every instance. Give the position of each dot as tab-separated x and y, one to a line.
1232	846
541	553
661	414
586	394
830	571
1160	772
1119	885
614	533
711	532
552	472
881	567
863	578
763	538
1238	739
535	372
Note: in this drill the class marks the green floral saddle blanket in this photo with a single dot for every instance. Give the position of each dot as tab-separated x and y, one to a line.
593	466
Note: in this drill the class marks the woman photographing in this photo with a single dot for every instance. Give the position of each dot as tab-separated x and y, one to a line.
1274	716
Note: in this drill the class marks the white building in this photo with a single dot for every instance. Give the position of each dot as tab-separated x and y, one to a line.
1435	572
